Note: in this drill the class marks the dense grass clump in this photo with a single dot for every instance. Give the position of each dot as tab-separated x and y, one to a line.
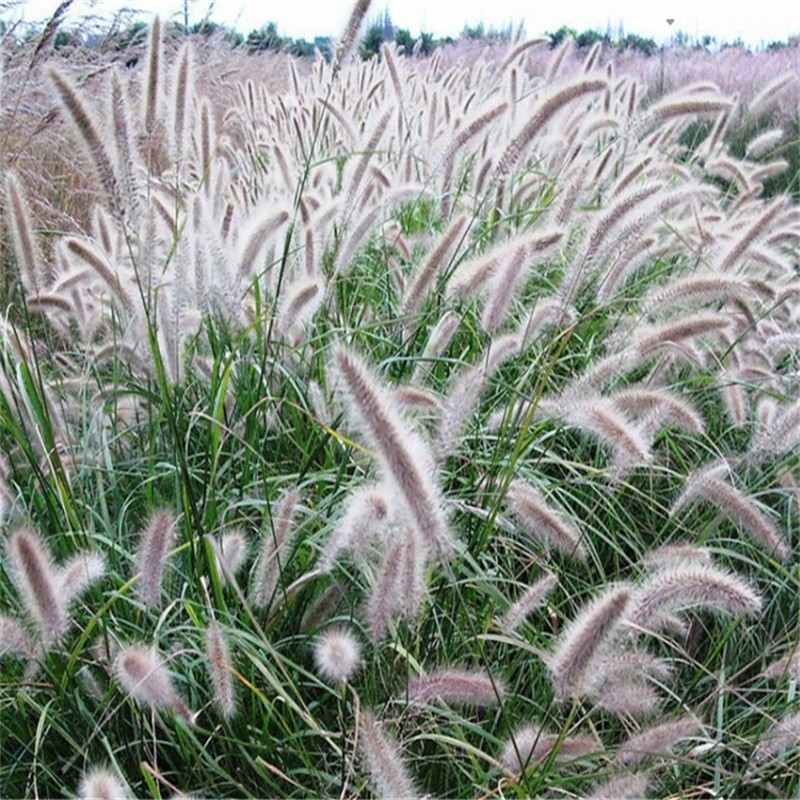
416	430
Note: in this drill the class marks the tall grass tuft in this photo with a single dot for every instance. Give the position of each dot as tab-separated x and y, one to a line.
460	375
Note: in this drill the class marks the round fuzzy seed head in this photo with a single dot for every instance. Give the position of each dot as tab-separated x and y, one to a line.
101	784
337	655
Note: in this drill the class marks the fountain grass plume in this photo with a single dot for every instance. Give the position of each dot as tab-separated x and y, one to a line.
542	521
380	752
275	544
14	639
78	573
741	510
367	512
531	599
623	787
782	735
220	670
35	576
456	687
435	263
337	654
398	587
92	137
691	584
151	556
405	458
583	638
34	277
102	783
144	676
657	740
530	745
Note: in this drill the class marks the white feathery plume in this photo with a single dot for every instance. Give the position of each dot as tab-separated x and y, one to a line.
456	687
367	513
275	544
405	458
438	339
78	573
389	775
657	740
151	556
531	745
583	638
782	735
230	552
623	787
144	676
688	585
14	639
529	601
218	661
705	483
337	654
542	521
35	576
102	783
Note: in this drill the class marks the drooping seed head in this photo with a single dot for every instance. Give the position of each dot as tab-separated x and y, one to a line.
36	578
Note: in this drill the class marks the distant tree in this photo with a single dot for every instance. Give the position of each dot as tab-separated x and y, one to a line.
634	42
590	37
299	47
680	39
426	43
66	39
134	35
208	28
562	33
325	46
404	39
372	41
475	32
265	38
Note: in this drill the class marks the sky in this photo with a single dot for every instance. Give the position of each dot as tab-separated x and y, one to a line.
756	23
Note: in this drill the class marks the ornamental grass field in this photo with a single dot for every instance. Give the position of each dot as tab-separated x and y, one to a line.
396	428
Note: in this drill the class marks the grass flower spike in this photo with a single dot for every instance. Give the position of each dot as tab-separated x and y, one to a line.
337	655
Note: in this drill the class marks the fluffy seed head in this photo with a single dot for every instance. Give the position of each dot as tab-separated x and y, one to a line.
782	735
733	504
389	775
35	576
583	639
230	552
337	655
531	745
276	541
691	584
101	783
219	669
456	687
142	673
657	740
623	787
542	521
14	638
78	573
406	459
528	603
154	546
